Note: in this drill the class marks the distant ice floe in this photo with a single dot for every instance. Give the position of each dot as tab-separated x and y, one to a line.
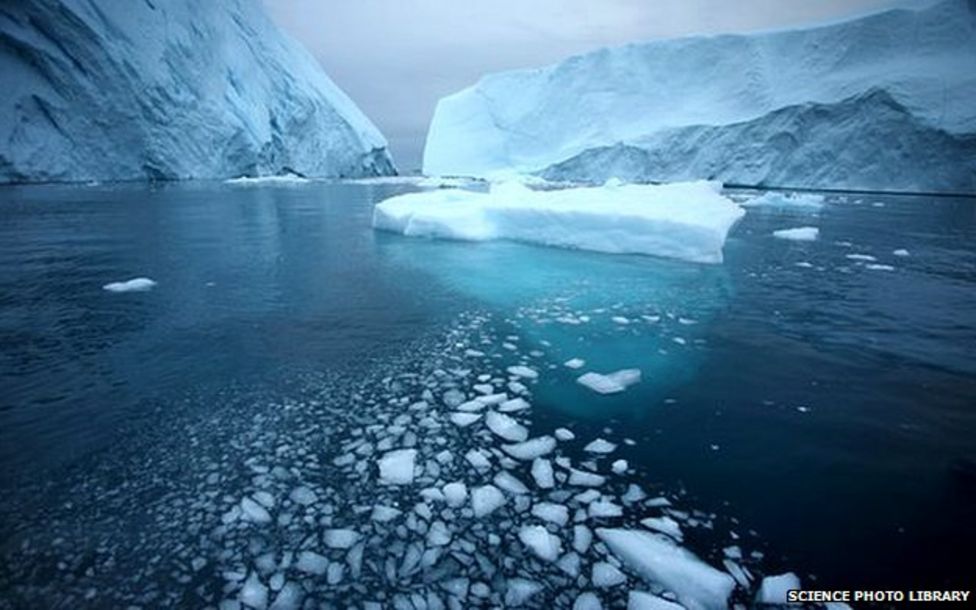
284	179
775	199
139	284
688	220
798	234
611	383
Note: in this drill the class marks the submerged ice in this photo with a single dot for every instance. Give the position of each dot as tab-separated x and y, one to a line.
687	221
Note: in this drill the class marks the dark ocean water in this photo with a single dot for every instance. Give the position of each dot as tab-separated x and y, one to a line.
826	410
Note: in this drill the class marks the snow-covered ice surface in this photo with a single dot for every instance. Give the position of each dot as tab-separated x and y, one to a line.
883	96
169	89
687	221
323	501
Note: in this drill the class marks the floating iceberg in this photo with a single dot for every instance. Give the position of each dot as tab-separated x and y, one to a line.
169	89
139	284
798	234
774	199
687	221
886	98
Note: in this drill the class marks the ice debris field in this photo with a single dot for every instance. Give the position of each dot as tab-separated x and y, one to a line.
424	484
687	221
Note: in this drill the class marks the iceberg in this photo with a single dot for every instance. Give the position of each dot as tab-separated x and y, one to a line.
881	101
138	284
170	89
688	221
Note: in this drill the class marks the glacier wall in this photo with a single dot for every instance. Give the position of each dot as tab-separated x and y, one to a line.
169	89
882	102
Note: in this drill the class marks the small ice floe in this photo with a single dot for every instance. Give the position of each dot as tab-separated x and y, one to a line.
606	575
254	593
619	466
798	234
551	512
312	563
610	383
506	427
519	590
620	320
664	525
531	449
261	180
574	363
603	509
803	201
563	434
463	420
513	405
773	588
522	371
340	538
860	257
545	545
901	252
659	561
455	493
477	460
303	495
383	514
587	601
138	284
879	267
542	473
254	512
486	500
396	467
510	483
600	446
581	478
804	265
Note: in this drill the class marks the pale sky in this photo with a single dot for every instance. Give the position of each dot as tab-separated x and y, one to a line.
396	58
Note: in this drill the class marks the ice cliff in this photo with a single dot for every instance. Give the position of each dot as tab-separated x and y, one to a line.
169	89
883	101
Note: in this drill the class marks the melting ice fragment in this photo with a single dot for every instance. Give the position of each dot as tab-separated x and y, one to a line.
798	234
396	467
506	427
522	371
486	500
531	449
541	542
685	220
639	600
610	383
807	201
340	538
138	284
600	446
656	559
773	588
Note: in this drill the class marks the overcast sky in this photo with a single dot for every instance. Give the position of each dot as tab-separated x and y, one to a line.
396	58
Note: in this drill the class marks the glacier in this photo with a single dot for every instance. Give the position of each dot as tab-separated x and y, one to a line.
169	89
684	220
878	102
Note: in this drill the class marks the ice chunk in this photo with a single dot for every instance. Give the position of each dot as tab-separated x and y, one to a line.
619	466
574	363
510	483
639	600
587	601
382	514
454	397
773	588
138	284
472	405
289	597
665	525
456	494
901	252
303	495
541	542
604	509
581	478
396	467
600	446
807	201
564	435
542	473
438	534
522	371
607	575
254	512
506	427
520	590
486	500
513	405
340	538
610	383
254	593
860	257
687	220
477	459
657	560
798	234
531	449
311	562
462	420
582	537
553	513
879	267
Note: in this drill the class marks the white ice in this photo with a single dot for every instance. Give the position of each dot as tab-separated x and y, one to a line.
396	467
506	427
697	585
688	220
486	500
798	234
611	383
531	449
776	199
138	284
773	588
545	545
